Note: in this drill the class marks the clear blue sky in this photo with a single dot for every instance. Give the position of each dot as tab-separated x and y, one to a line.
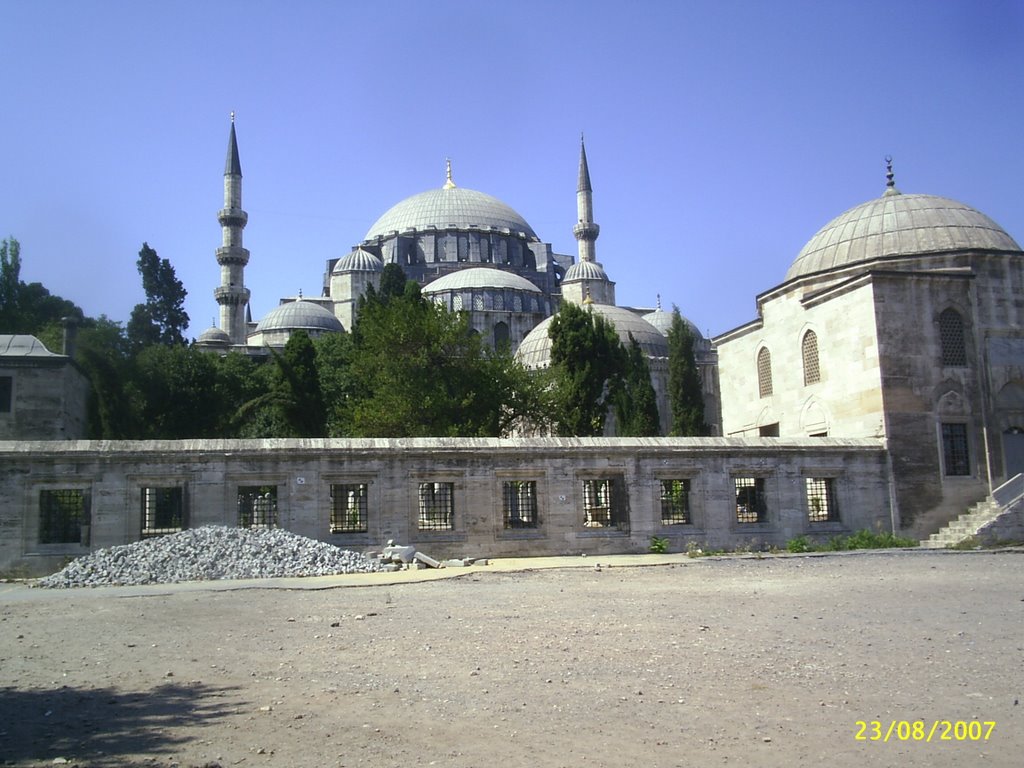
722	134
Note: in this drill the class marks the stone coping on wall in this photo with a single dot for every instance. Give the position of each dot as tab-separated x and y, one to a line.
481	446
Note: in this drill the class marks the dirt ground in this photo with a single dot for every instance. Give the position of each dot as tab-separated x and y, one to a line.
746	661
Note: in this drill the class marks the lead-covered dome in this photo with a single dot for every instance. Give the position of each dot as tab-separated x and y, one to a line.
480	277
449	206
358	261
899	225
299	316
535	351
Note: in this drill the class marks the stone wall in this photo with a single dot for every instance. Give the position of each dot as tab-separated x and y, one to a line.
543	496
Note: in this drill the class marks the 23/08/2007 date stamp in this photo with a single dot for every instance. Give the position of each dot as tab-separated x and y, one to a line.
919	730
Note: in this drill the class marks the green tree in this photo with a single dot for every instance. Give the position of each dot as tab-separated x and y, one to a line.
685	393
162	319
177	388
588	363
28	307
103	353
417	370
293	403
636	406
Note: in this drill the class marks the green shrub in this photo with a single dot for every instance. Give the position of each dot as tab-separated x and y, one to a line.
799	544
659	545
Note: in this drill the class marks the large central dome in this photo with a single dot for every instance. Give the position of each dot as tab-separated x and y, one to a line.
899	225
449	206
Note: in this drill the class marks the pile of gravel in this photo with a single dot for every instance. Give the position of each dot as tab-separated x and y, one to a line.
207	553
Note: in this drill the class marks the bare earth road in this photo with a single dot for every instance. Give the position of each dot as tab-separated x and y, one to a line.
742	661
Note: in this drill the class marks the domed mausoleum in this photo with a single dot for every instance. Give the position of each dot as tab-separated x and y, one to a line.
894	321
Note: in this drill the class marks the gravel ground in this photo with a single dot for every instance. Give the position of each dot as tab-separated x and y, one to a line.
748	661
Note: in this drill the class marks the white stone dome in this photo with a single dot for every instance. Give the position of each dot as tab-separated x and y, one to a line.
585	270
480	277
213	336
535	351
449	206
358	261
662	320
897	225
299	316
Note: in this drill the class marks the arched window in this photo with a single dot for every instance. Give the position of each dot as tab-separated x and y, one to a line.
501	335
764	372
951	338
809	350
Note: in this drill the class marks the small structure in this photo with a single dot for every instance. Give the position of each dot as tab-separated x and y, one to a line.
43	395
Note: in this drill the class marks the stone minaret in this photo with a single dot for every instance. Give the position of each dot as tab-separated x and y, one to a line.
586	231
232	295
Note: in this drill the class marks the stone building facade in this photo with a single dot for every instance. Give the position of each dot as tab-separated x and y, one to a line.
43	395
449	497
902	319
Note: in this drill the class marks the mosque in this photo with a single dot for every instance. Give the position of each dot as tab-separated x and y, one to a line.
469	252
900	319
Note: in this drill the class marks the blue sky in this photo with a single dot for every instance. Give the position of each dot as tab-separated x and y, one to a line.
721	135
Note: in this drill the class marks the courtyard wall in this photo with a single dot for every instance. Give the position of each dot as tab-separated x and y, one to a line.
477	497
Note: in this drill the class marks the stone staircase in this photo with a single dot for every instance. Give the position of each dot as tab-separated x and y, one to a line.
999	513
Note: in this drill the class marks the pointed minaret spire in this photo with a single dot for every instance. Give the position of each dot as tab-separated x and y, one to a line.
232	295
890	178
585	231
448	184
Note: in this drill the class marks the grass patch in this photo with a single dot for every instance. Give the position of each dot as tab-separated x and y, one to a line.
862	539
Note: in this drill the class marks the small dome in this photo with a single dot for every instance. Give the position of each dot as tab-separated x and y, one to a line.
585	270
358	261
899	225
480	277
449	207
662	320
299	316
535	351
213	336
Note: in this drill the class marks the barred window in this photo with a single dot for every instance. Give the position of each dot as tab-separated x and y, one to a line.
750	500
675	502
62	514
821	500
437	506
955	458
163	510
951	338
519	504
478	302
809	350
257	506
764	372
499	301
601	508
457	302
348	508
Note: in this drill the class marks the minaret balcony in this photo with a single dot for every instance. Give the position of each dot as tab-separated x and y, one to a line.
586	230
232	295
232	217
232	254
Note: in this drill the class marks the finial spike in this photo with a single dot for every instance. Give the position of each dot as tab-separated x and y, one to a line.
448	184
659	302
890	183
300	293
232	116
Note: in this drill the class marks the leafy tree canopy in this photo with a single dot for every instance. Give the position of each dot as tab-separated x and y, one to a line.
162	319
685	393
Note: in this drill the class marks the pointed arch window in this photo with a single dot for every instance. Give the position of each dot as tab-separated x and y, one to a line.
764	372
951	338
809	352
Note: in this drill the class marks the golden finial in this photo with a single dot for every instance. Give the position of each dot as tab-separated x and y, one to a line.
232	117
587	299
659	302
448	184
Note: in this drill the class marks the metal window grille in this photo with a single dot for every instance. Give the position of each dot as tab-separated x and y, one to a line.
951	338
437	507
675	502
821	500
599	507
499	301
809	349
750	500
457	302
163	510
764	372
257	506
348	508
955	457
6	393
478	302
62	514
519	504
